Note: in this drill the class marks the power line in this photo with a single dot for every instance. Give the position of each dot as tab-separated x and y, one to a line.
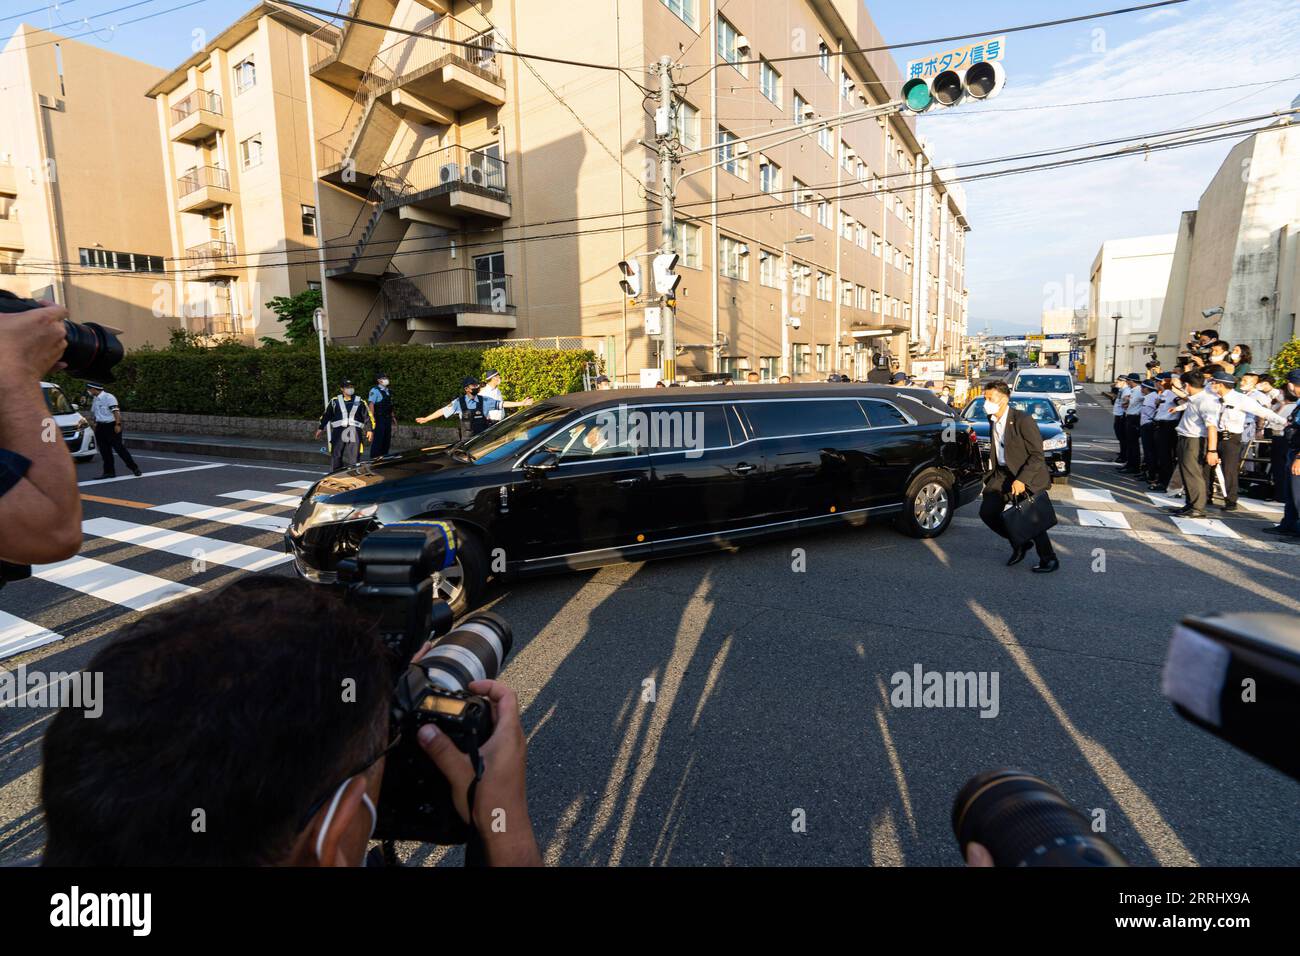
1127	152
330	14
111	27
28	13
950	39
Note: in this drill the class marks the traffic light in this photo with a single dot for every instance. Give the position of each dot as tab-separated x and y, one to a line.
665	279
980	81
631	281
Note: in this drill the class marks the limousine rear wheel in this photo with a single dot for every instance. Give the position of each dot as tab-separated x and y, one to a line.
928	505
462	585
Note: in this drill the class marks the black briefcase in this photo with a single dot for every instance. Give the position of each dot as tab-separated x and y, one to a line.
1028	516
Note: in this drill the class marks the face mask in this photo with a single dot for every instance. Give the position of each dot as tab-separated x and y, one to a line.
329	817
383	383
1236	356
347	392
992	409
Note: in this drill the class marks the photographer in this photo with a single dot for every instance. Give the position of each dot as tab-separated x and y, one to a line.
250	726
40	507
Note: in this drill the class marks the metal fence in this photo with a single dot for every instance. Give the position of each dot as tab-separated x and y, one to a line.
198	100
450	167
447	292
196	177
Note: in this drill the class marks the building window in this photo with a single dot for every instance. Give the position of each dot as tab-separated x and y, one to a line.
733	258
860	236
769	82
847	156
823	358
826	140
313	285
245	75
688	244
802	278
490	279
687	121
801	356
846	226
875	301
767	367
846	292
875	244
732	162
309	220
767	269
824	286
685	10
729	366
729	45
824	214
846	85
98	258
250	151
802	197
802	111
910	219
824	56
769	176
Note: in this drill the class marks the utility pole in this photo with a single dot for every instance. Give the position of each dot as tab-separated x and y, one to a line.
667	160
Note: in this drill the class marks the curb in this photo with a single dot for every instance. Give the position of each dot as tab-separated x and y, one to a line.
213	447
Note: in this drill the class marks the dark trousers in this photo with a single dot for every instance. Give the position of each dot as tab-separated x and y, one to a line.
1166	444
383	439
1230	458
1121	436
109	440
1278	458
343	454
1198	477
995	500
1132	435
1148	435
1291	492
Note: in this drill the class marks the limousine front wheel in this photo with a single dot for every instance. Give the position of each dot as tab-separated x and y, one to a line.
928	506
462	585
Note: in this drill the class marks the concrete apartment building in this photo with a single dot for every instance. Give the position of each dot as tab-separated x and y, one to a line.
236	159
1127	286
1239	251
467	194
82	210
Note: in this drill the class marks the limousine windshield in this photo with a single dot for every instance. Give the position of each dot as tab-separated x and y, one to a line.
513	435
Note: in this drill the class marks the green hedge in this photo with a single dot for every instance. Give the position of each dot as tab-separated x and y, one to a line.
284	382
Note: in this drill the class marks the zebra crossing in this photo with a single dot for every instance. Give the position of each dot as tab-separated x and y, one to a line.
1130	510
133	566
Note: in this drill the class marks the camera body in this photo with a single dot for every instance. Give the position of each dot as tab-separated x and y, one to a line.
389	580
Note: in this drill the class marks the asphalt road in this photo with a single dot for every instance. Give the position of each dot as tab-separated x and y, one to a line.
771	670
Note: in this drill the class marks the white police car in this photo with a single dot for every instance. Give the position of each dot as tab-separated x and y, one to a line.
73	426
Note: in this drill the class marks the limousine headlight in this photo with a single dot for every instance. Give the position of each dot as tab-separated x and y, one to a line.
1059	443
324	513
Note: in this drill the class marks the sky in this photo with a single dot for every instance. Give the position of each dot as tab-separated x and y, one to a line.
1034	236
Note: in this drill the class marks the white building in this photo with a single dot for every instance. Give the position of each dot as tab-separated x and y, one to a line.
1126	296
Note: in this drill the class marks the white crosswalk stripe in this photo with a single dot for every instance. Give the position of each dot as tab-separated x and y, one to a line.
209	550
1103	519
1094	495
251	519
1270	508
304	485
264	497
111	583
1204	527
17	635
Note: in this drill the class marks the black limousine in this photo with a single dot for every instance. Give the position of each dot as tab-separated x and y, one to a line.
599	477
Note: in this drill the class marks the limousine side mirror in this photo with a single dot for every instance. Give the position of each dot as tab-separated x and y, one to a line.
540	461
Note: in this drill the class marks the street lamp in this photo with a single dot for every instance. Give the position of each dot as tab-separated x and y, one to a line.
1114	349
785	299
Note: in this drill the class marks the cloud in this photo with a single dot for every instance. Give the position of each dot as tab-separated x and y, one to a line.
1035	229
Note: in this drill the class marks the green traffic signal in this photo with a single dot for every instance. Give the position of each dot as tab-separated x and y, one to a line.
916	94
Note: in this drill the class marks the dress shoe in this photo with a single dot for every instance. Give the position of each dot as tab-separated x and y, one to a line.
1156	487
1228	506
1046	566
1186	512
136	472
1018	554
1119	461
1278	529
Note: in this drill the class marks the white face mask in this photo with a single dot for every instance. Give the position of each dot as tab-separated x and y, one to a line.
992	409
329	817
383	383
347	392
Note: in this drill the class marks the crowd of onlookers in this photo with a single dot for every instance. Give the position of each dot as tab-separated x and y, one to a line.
1188	431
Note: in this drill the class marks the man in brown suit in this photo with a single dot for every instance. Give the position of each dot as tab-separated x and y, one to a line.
1015	465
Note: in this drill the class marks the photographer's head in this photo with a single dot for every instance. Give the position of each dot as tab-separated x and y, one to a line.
247	726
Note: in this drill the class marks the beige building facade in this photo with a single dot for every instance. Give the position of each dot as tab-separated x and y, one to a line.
469	194
237	163
82	205
1126	295
1237	255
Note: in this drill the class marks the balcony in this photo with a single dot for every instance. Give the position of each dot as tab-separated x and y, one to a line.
218	323
342	58
11	235
452	299
201	188
456	68
213	260
197	117
454	181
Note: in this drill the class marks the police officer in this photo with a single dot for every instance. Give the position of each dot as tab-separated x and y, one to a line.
1290	523
492	389
383	415
107	417
471	409
347	418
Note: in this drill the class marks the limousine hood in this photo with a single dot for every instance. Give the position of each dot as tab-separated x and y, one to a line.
364	480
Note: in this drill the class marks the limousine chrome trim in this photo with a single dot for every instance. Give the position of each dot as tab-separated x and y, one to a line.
715	534
911	423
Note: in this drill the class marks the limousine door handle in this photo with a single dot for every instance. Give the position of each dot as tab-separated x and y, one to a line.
744	468
635	480
832	453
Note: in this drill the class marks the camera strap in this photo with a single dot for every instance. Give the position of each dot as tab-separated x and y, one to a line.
476	761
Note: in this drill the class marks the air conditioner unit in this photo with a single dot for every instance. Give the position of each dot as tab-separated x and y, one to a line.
742	149
476	175
743	249
449	173
809	112
742	44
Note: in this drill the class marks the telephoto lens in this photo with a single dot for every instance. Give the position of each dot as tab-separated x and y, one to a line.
1023	820
475	650
91	350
